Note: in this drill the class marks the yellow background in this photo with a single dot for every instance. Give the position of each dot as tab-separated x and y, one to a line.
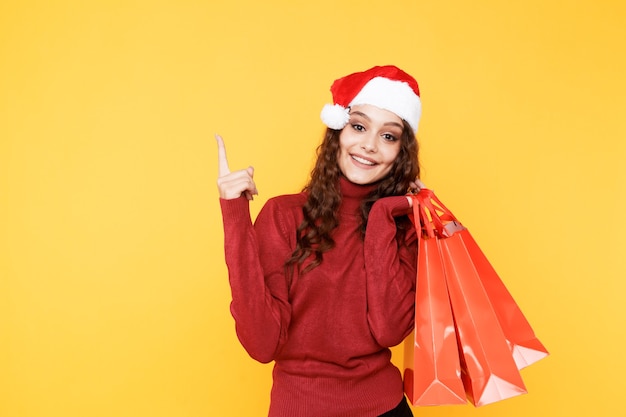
114	298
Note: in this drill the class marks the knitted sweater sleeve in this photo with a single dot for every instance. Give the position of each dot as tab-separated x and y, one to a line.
390	274
259	304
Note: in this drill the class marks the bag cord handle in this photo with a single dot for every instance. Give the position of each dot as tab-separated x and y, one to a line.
432	214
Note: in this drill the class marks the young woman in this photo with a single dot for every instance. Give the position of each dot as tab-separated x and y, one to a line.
323	282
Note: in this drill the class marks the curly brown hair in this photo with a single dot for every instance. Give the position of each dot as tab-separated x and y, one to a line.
321	208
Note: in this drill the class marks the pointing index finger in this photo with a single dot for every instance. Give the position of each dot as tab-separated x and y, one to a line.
222	162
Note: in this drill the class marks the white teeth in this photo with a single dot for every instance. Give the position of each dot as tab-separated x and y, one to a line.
361	160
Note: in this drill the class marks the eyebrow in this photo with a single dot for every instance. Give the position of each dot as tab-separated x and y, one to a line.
360	113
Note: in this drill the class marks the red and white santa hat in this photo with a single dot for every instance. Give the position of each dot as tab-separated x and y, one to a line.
386	87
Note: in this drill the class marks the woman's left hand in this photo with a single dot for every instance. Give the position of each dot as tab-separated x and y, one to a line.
414	188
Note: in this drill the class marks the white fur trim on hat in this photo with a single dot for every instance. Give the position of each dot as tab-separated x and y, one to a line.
396	96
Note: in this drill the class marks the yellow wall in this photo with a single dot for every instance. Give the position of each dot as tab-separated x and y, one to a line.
113	292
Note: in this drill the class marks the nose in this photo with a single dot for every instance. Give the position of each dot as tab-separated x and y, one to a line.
369	142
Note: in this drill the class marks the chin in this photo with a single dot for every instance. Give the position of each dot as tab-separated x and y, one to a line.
362	180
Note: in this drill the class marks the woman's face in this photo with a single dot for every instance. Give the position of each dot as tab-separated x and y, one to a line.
369	144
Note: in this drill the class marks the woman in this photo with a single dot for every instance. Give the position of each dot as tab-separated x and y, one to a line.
323	283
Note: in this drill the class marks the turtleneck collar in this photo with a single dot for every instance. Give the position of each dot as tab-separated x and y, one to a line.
352	194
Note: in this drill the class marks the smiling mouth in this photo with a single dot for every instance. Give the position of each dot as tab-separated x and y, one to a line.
362	160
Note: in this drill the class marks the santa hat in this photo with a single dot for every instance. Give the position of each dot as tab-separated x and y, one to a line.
386	87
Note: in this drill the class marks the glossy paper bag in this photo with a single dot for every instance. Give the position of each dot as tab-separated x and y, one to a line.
432	367
489	371
495	340
525	347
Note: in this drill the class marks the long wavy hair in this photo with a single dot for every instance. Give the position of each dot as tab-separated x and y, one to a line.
321	208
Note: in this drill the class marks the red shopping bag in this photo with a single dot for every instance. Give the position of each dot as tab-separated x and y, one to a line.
524	345
489	371
432	368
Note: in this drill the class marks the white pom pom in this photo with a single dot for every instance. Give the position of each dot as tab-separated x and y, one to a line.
335	116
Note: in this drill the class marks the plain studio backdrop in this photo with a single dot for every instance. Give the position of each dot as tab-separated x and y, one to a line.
114	296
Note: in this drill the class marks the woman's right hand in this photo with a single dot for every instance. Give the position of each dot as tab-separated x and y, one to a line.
233	185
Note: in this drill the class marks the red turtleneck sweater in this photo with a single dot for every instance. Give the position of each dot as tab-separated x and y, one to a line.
330	332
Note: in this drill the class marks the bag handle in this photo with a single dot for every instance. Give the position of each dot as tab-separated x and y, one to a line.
433	214
423	227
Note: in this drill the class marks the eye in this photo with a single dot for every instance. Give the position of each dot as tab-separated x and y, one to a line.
389	137
358	127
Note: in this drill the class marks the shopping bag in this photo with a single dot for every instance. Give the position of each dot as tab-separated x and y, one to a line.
490	372
432	373
524	345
